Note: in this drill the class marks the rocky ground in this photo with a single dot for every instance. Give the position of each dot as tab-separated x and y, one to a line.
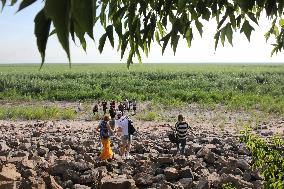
64	154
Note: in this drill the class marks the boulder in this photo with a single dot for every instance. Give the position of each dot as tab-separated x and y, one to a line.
120	182
171	173
9	173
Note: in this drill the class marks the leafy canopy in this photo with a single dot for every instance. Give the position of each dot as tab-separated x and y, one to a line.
138	23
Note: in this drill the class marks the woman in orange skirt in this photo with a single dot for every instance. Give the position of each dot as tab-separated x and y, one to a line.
105	132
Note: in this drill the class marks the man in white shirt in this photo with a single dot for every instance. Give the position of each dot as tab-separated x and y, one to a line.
122	126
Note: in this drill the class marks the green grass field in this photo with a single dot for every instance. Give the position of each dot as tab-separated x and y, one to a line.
251	86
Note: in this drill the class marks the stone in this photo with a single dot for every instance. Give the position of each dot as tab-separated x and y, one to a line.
165	160
186	182
214	179
51	183
3	146
7	185
9	173
120	182
203	183
243	164
78	186
171	173
235	180
186	172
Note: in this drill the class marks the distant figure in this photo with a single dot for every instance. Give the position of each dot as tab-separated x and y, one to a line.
121	108
126	104
112	104
181	130
134	106
79	107
104	105
96	108
105	132
112	114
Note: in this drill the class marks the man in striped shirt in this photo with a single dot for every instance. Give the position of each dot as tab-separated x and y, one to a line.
181	132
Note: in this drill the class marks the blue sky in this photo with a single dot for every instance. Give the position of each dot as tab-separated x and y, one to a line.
18	45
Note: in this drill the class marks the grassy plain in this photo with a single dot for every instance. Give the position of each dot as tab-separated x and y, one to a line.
238	86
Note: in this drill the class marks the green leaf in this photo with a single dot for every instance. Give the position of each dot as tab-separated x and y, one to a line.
52	32
181	5
174	42
157	37
42	27
60	13
252	17
199	27
223	35
82	12
165	42
189	37
109	32
124	43
13	2
216	37
229	33
25	3
281	22
3	4
102	42
130	57
247	29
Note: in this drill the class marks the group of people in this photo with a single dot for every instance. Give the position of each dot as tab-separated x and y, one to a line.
122	122
106	130
126	105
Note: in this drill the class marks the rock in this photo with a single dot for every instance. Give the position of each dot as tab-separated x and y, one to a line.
165	160
171	173
78	186
9	173
51	183
33	183
247	176
214	179
206	153
7	185
203	183
186	182
42	151
159	178
186	172
143	180
3	146
235	180
216	141
120	182
243	164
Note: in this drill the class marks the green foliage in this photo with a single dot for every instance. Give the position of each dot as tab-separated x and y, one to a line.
267	157
228	186
35	112
235	86
137	23
148	116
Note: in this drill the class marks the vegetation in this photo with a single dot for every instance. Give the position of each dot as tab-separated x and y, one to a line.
137	23
228	186
267	158
236	86
35	113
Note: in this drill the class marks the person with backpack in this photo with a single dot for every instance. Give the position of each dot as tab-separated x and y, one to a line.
126	130
105	132
181	128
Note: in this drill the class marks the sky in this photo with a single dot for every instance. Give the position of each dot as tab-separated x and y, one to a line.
18	45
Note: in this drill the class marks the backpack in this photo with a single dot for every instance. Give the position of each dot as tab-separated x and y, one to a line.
103	130
131	128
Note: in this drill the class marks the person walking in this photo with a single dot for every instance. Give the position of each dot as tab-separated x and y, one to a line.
121	108
104	105
105	132
126	138
181	128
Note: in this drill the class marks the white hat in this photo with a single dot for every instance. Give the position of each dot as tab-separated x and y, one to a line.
118	113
